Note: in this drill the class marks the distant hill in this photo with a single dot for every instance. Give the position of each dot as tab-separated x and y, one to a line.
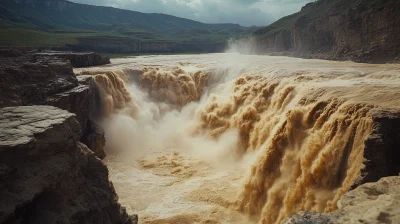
358	30
59	22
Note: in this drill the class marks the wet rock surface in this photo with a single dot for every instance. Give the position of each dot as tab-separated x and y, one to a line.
377	202
47	175
95	140
309	218
382	151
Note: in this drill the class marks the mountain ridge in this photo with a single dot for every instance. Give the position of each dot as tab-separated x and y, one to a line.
54	17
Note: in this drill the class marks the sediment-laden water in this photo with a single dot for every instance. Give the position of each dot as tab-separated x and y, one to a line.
228	138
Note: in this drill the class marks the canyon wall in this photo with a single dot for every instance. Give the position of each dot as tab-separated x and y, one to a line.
130	45
48	82
362	31
77	60
47	174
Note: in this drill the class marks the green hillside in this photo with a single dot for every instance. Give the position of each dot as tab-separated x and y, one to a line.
35	23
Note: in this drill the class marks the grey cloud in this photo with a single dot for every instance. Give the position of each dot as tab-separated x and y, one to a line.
244	12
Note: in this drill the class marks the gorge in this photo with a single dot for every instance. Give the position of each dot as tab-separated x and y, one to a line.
207	138
243	139
295	123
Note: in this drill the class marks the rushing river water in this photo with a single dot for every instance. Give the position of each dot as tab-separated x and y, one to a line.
228	138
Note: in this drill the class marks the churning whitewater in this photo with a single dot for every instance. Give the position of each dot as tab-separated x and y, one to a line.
228	138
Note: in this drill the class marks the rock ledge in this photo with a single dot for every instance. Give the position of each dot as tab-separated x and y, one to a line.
47	175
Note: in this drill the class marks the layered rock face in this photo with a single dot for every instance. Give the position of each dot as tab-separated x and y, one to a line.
362	31
47	175
52	82
382	152
78	60
34	82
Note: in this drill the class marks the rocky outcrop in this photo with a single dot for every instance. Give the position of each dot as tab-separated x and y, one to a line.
377	202
362	31
95	139
78	60
10	53
382	151
51	82
47	175
33	83
309	218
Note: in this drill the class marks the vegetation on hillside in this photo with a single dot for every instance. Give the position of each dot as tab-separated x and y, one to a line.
40	23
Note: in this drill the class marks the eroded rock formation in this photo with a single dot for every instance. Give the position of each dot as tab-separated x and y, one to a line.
77	60
362	31
51	82
382	152
47	175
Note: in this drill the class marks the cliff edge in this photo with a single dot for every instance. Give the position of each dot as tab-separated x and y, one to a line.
47	175
359	30
50	146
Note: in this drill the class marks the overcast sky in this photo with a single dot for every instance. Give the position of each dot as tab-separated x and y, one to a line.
244	12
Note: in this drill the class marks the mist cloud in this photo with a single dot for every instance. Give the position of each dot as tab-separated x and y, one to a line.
244	12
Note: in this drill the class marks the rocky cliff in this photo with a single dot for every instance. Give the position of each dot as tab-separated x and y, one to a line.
47	174
382	152
360	30
29	81
77	60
